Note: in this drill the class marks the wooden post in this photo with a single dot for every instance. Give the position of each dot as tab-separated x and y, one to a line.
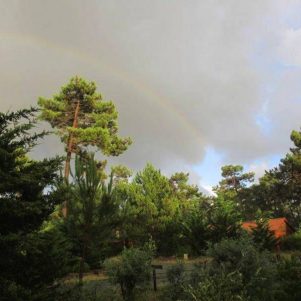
156	266
155	280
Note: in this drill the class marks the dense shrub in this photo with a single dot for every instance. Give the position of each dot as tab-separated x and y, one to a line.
131	268
291	242
218	285
176	278
257	268
263	237
289	279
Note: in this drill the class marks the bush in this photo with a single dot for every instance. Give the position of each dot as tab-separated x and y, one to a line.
291	242
176	278
289	277
219	286
258	268
240	270
263	237
132	267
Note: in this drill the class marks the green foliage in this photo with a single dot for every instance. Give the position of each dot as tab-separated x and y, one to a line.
30	259
131	268
233	187
83	119
279	190
182	189
239	271
258	269
194	228
234	179
152	206
121	174
291	242
206	222
289	277
97	119
92	211
147	205
263	237
176	278
218	286
224	220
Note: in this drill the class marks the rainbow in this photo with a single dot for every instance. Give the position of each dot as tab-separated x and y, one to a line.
140	86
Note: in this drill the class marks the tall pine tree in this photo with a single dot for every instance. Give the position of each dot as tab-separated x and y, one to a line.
82	118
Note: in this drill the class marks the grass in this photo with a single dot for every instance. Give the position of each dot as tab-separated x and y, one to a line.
96	285
99	275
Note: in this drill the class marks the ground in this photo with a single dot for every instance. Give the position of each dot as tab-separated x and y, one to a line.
96	283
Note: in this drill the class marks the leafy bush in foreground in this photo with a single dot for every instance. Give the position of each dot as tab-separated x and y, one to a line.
176	278
291	242
257	268
131	268
219	286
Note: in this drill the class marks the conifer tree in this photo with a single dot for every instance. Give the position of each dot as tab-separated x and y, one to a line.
27	264
263	237
82	118
93	209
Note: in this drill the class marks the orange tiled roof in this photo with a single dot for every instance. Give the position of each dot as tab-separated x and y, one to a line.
276	225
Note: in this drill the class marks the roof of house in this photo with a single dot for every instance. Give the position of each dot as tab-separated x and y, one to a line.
276	225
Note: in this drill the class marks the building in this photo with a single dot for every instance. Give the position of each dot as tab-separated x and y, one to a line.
279	226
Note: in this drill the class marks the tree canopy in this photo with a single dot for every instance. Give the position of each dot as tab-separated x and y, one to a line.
83	118
25	270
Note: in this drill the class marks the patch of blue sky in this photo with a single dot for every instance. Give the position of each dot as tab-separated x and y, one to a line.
210	168
264	123
265	163
291	17
274	160
270	68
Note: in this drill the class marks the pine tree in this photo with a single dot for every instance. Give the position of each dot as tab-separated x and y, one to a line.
93	209
82	118
263	237
25	270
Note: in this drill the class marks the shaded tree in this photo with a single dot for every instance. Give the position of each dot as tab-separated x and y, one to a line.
234	179
279	190
93	209
27	254
262	236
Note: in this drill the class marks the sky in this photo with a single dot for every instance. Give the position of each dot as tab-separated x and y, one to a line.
197	84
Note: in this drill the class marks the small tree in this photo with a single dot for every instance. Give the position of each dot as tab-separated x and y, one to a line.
224	220
93	208
256	267
220	286
234	178
176	277
194	228
263	237
131	268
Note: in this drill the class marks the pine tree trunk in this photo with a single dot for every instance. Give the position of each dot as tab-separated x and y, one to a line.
82	260
70	145
81	270
82	266
67	163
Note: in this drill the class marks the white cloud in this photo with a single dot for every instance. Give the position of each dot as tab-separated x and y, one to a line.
259	169
207	189
290	47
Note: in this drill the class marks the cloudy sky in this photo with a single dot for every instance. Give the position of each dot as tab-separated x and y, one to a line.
197	84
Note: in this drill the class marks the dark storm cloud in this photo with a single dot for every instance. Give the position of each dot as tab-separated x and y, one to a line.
180	72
